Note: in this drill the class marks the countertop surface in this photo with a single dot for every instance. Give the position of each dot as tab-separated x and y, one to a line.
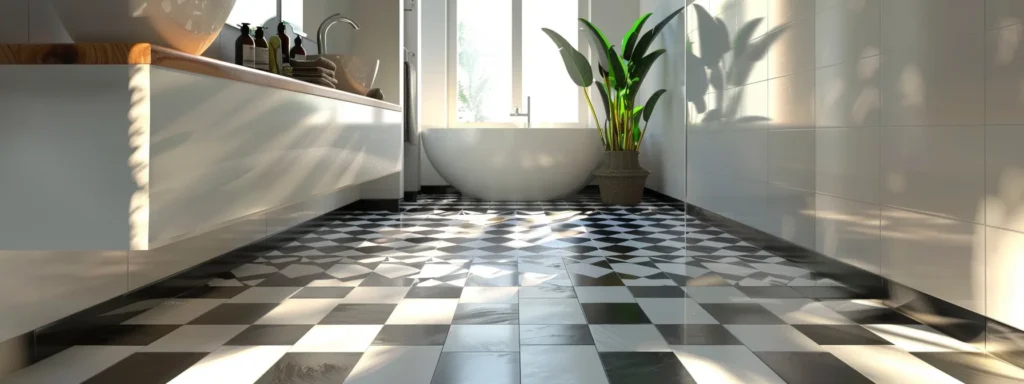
142	53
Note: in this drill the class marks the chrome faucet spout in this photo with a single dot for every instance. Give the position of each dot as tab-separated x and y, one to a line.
528	114
321	33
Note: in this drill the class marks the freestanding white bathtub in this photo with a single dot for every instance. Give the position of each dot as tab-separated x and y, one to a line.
515	164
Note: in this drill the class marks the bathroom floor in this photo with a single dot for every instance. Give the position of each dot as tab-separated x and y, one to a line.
453	291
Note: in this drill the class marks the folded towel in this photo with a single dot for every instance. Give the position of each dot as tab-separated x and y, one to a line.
313	72
318	63
324	78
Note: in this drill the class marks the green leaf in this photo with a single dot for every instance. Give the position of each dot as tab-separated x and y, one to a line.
619	79
643	67
604	100
648	38
630	39
651	103
598	43
575	63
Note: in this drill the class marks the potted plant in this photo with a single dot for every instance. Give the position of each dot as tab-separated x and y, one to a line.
621	179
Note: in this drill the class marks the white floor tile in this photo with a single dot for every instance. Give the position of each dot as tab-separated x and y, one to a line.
265	295
300	311
337	338
628	338
887	364
919	338
550	311
715	295
731	364
424	311
490	295
562	365
804	311
195	338
395	365
482	338
604	295
376	295
232	365
542	292
675	311
773	338
71	366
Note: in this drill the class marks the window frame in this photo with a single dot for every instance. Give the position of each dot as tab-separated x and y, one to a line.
518	99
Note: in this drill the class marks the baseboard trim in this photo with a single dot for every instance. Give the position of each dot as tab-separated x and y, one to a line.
439	190
998	339
389	205
411	196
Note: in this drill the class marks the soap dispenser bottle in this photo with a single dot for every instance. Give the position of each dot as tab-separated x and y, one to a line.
298	53
245	48
262	51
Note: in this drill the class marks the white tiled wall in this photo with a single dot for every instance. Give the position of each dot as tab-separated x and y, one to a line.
895	141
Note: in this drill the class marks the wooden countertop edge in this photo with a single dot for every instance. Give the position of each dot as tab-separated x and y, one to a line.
146	54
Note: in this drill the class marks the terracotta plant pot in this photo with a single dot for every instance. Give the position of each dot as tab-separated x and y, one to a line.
621	178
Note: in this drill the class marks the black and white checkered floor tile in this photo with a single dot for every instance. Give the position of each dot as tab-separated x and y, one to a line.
455	291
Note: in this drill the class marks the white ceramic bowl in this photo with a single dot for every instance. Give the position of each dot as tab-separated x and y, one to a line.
189	26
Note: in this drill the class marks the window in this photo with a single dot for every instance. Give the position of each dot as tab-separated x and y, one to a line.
501	57
259	12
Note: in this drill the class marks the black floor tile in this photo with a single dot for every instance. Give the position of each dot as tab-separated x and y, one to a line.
658	292
486	314
208	292
742	314
359	314
477	368
147	368
311	368
412	335
280	280
811	368
575	334
878	316
610	280
822	293
322	293
644	367
125	335
840	335
615	313
270	335
973	368
234	313
771	293
434	293
698	334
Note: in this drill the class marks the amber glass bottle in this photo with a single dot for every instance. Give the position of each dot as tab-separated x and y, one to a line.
298	53
262	51
282	32
245	48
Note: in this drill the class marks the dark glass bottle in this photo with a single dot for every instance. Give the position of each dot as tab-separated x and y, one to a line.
298	53
262	51
245	48
285	41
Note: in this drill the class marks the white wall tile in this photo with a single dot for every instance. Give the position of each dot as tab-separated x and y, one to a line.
1002	13
849	231
1004	287
933	70
789	214
846	31
1004	177
791	161
782	12
1004	74
794	50
791	101
848	94
847	163
938	256
14	21
939	170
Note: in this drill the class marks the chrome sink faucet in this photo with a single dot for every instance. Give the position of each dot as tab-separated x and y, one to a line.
321	33
527	115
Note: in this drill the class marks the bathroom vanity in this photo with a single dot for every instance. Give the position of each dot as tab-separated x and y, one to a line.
123	164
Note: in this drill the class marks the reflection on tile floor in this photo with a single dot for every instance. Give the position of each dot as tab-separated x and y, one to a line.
452	291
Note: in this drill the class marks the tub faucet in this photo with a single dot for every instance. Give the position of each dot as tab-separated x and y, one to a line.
321	33
529	112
